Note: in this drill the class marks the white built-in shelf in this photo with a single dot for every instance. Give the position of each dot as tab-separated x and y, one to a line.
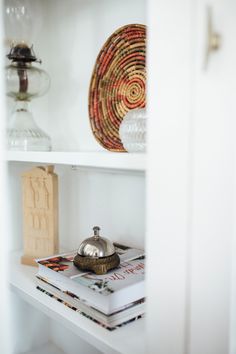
127	339
106	160
48	348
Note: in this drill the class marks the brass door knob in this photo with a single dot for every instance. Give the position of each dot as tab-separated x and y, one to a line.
213	40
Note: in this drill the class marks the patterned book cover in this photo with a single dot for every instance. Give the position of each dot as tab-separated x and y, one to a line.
124	276
64	262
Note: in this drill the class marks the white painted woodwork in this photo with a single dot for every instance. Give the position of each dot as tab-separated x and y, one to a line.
213	213
103	160
191	187
168	175
5	333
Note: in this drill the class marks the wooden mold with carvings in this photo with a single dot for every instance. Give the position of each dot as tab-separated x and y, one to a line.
40	214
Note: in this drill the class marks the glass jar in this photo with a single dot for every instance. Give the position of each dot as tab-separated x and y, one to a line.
132	130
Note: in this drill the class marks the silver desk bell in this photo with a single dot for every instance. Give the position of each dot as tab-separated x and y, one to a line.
96	254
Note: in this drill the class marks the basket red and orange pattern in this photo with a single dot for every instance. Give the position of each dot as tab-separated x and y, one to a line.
117	83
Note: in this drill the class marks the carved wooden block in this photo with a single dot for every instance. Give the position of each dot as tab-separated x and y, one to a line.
40	213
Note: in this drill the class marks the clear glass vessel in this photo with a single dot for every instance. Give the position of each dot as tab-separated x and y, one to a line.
23	83
23	134
132	130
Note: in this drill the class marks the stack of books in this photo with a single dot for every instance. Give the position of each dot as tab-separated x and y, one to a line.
111	300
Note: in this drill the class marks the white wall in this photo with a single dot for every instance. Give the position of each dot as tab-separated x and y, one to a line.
116	202
72	35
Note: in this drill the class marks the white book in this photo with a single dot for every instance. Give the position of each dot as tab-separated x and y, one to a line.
106	293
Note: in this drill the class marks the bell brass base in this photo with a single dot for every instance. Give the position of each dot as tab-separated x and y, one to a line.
97	265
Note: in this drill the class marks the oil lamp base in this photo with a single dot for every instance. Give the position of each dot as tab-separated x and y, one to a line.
23	134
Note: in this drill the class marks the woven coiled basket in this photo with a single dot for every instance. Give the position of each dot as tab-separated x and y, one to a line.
117	83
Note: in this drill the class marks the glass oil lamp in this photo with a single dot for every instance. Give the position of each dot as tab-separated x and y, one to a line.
25	82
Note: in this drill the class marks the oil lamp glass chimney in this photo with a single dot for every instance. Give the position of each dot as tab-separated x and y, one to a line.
23	21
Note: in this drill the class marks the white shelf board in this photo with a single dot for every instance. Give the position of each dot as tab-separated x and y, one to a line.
126	340
110	160
49	348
